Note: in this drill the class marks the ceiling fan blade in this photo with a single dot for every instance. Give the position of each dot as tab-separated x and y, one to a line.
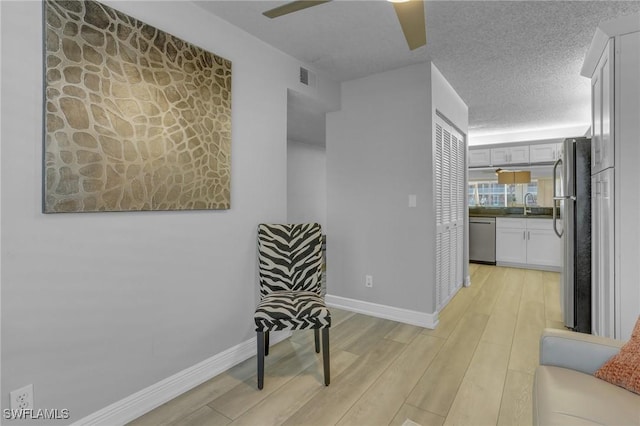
292	6
411	17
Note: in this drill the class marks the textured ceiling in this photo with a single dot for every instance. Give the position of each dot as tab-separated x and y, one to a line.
516	64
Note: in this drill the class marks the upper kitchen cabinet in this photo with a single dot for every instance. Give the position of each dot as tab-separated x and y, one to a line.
516	153
613	66
510	155
602	90
544	153
480	157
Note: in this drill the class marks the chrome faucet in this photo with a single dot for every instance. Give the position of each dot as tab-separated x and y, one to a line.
526	210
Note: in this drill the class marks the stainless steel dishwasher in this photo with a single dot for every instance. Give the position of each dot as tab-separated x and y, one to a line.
482	240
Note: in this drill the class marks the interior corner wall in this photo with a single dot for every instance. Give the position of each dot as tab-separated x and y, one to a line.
306	183
447	101
96	307
378	152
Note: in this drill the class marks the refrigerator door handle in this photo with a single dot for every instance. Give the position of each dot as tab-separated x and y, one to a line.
557	197
555	220
555	175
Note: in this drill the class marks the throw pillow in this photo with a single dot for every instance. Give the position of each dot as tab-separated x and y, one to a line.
623	369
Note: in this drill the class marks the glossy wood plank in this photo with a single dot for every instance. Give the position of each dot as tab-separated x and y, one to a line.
205	416
526	340
552	308
453	313
383	399
403	333
489	292
416	415
351	330
500	328
516	407
280	405
478	398
438	386
329	405
555	324
531	321
378	330
533	286
480	275
509	298
245	395
339	315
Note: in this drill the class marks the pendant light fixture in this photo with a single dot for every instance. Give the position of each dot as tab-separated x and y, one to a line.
510	177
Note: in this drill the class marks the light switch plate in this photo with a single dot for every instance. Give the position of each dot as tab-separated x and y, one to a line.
412	200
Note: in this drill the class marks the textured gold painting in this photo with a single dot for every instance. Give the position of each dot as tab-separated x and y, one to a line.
135	118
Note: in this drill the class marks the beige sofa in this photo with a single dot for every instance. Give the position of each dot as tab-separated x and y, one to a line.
565	392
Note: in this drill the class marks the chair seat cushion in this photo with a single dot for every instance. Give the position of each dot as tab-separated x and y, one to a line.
291	310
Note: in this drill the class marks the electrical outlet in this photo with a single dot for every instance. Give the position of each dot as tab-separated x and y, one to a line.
22	399
368	281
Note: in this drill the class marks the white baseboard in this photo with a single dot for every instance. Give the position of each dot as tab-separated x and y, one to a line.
406	316
134	406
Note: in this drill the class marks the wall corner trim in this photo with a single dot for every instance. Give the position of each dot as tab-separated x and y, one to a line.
141	402
406	316
467	281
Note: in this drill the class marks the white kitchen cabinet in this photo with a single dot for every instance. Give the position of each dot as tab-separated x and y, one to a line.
544	153
510	155
602	261
500	156
602	90
528	243
511	244
544	248
613	66
479	157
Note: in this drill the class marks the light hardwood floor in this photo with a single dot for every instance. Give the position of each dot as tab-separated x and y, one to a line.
475	368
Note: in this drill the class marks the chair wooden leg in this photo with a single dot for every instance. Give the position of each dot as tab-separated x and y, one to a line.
325	356
316	335
260	338
266	343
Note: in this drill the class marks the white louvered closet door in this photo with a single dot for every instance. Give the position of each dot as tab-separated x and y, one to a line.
449	193
460	193
437	166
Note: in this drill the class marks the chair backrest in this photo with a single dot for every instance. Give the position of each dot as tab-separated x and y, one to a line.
290	257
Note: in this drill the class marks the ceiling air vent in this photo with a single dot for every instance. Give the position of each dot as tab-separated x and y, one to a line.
308	78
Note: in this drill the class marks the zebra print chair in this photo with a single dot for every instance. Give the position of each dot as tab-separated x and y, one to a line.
290	266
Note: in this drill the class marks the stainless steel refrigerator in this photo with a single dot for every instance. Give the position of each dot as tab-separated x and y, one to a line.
572	223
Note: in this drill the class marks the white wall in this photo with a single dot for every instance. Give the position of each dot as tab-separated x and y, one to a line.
379	150
447	101
306	183
98	306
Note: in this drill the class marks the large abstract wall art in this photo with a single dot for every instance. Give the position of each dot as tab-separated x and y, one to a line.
135	118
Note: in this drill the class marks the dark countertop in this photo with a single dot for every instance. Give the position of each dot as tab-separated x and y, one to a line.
514	216
511	212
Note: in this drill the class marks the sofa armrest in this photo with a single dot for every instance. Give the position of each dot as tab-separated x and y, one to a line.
577	351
